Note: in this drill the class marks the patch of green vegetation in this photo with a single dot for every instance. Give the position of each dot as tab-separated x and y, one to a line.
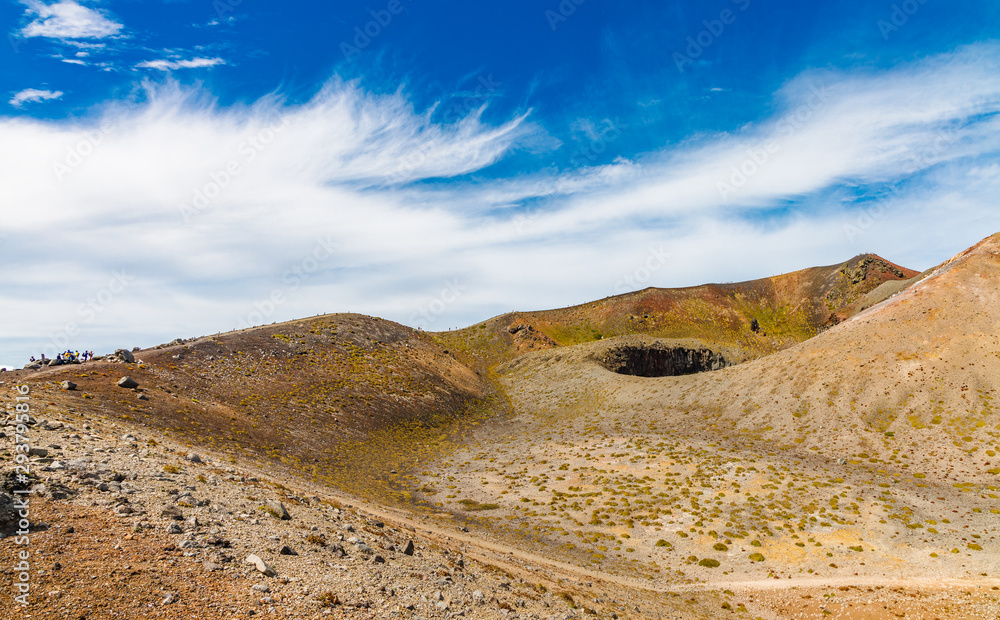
471	504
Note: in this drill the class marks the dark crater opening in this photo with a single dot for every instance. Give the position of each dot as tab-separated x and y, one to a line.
660	360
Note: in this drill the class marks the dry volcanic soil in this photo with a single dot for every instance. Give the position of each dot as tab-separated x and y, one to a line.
819	444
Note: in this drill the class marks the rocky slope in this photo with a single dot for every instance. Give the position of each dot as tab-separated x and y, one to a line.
344	399
756	317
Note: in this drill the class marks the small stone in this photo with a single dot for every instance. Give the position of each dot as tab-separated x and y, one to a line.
211	566
408	550
478	596
174	529
142	397
172	512
123	510
379	560
170	598
68	385
194	458
260	587
128	383
278	509
38	452
260	565
286	550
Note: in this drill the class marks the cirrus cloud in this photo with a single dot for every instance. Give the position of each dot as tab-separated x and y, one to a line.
170	65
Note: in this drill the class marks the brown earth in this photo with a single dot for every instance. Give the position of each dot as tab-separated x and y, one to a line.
855	447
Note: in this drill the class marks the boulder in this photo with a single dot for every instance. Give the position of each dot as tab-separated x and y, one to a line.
278	509
125	355
172	512
68	385
260	565
33	366
128	383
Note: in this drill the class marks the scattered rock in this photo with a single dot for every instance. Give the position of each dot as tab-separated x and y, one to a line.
260	587
278	510
38	452
142	397
286	550
260	565
408	550
68	385
128	383
174	529
8	515
172	512
125	355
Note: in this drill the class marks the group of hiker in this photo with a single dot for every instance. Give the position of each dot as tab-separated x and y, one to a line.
66	357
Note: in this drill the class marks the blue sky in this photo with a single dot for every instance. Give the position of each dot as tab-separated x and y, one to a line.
187	167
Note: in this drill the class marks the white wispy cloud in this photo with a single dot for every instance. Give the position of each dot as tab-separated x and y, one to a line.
67	19
170	65
344	203
32	95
